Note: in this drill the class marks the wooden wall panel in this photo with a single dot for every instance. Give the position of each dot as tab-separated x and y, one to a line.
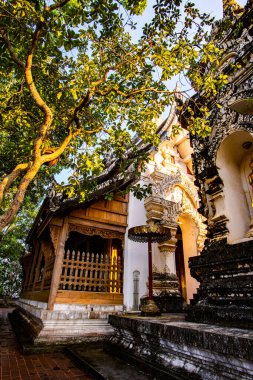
41	296
111	212
88	298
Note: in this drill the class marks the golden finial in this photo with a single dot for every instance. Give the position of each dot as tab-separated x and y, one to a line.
231	6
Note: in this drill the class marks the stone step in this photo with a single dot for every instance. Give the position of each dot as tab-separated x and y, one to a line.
104	366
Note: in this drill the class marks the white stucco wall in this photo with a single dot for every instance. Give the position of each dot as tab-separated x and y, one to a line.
135	254
231	159
189	235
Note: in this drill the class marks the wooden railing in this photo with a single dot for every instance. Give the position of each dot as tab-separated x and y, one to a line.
91	272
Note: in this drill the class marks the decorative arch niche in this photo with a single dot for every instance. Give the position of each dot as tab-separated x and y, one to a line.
233	158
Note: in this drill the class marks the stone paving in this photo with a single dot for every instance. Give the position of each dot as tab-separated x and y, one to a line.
15	366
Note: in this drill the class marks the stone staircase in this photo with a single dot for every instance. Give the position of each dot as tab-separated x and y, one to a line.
103	366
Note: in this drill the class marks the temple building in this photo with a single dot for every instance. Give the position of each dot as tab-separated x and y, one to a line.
81	266
215	340
173	204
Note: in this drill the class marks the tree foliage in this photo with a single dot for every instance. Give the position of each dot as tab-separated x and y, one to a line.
75	88
12	246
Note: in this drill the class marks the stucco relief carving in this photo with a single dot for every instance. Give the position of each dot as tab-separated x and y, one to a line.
91	231
169	182
164	185
173	195
189	209
190	188
161	183
171	211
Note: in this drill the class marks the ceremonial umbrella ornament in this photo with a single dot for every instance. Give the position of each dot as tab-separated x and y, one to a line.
150	233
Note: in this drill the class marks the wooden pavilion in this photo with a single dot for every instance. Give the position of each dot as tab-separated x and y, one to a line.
77	257
73	271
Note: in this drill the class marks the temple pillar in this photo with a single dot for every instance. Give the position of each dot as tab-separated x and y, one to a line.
168	249
58	265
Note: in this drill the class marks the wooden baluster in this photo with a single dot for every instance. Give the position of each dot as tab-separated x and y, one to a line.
84	269
96	274
77	271
114	267
110	272
101	274
107	273
66	270
92	275
118	289
87	272
81	279
72	270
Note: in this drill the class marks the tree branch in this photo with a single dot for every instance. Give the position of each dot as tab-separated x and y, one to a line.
6	218
11	51
58	151
10	178
104	76
48	116
57	5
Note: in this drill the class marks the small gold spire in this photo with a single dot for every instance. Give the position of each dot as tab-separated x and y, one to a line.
231	6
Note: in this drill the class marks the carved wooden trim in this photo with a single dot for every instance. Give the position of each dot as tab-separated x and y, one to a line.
54	234
88	230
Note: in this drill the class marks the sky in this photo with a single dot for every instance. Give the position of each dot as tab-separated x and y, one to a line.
213	7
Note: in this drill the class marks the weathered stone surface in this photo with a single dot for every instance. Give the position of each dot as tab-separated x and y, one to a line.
226	286
183	349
